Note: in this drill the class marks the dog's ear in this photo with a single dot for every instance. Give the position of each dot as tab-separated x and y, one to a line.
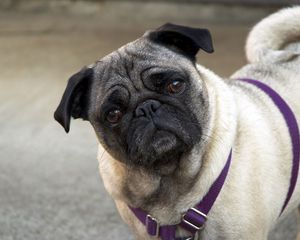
74	101
186	40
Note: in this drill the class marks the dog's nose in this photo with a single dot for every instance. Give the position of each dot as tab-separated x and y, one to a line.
147	108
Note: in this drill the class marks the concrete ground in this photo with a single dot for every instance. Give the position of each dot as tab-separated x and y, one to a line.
50	188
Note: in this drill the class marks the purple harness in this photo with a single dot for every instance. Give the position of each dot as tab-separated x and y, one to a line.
194	219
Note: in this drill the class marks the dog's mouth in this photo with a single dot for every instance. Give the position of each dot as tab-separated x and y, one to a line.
161	152
164	142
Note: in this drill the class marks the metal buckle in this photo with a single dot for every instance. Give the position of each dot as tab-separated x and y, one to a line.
199	212
191	224
150	218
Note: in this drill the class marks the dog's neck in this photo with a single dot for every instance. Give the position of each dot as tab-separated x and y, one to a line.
167	197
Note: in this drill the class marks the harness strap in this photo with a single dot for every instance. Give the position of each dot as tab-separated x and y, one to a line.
195	217
292	125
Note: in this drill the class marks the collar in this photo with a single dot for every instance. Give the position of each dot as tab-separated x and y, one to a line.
193	219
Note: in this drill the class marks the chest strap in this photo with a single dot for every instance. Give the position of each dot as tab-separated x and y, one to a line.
292	125
194	218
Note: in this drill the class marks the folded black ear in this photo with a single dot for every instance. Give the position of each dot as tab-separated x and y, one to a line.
74	101
185	39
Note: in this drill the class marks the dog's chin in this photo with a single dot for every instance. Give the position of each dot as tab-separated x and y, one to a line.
166	167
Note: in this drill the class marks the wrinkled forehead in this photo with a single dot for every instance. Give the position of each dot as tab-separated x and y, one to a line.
137	59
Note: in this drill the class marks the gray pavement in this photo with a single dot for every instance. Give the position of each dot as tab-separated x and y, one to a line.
50	188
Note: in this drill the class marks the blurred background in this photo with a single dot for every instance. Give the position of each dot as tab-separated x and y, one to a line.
50	188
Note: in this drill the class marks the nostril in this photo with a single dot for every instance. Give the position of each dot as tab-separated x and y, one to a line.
153	109
147	108
139	112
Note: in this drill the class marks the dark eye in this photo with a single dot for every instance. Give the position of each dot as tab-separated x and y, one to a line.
176	86
114	116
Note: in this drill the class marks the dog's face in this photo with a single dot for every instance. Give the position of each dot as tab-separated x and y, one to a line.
146	101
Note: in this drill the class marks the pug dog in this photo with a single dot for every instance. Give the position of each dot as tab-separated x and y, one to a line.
169	126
